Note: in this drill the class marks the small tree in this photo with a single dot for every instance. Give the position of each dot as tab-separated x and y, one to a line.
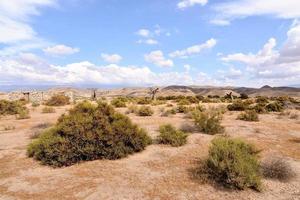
153	92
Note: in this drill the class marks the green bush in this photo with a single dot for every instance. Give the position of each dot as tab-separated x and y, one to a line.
249	115
238	105
233	163
11	107
244	96
58	100
169	135
262	100
48	109
274	107
259	108
145	111
208	122
118	102
88	132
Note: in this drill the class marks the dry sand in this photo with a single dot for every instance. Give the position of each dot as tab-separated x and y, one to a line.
159	172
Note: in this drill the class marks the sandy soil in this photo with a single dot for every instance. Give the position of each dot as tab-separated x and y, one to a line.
159	172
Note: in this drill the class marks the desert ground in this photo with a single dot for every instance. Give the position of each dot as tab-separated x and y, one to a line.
159	172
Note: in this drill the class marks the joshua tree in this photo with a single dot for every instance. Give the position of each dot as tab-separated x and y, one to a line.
153	92
26	95
229	96
94	95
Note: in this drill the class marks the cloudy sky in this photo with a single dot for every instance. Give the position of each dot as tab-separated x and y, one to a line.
157	42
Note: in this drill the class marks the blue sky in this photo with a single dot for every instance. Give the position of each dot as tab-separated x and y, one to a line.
158	42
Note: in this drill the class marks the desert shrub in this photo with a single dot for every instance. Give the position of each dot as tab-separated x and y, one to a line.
183	102
208	122
58	100
48	109
274	107
200	97
169	105
192	99
237	105
233	163
144	101
145	111
169	135
11	107
277	168
182	109
248	115
88	132
35	104
168	112
23	114
132	109
118	102
39	129
262	100
187	128
244	96
259	108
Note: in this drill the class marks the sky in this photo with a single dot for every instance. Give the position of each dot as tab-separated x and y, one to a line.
117	43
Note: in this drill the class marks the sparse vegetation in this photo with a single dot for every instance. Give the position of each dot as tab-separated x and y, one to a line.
277	168
23	114
35	104
119	102
208	122
249	115
145	111
48	109
58	100
233	163
169	135
238	105
88	132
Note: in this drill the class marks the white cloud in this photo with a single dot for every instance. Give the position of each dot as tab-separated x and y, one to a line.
15	29
60	50
232	74
157	58
143	32
148	41
111	58
189	3
220	22
15	71
288	9
281	65
196	49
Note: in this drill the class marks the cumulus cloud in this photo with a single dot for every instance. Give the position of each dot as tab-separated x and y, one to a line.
189	3
220	22
196	49
60	50
288	9
111	58
269	63
157	58
27	69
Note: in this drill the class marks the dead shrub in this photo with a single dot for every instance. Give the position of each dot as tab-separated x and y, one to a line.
277	168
